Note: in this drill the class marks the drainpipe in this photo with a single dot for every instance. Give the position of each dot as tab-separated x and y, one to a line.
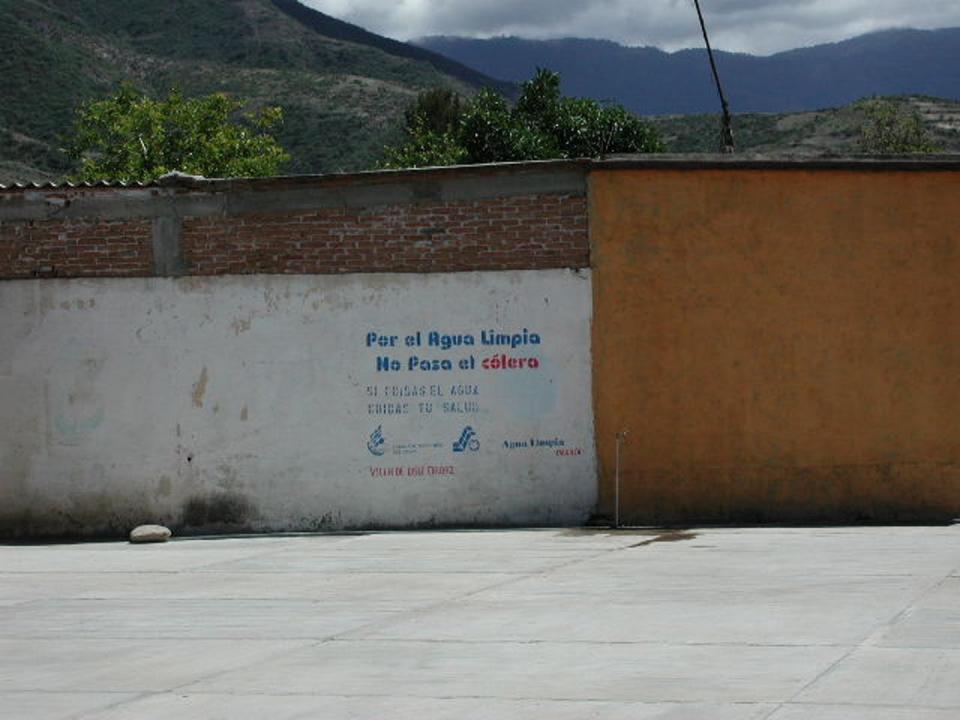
621	438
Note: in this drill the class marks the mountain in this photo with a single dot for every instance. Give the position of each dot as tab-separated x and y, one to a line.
335	29
653	82
342	88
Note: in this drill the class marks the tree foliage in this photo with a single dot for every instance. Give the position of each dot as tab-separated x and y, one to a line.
893	129
131	137
431	126
437	110
442	129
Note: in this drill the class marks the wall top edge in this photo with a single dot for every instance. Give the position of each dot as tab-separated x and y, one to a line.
184	181
190	196
760	161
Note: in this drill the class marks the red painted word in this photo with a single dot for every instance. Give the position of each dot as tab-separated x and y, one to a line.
505	362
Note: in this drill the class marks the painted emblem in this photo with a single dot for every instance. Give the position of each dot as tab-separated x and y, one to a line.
468	441
376	444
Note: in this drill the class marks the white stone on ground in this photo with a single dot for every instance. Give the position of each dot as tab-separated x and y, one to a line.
150	534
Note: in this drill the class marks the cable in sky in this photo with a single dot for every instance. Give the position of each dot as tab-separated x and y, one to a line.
727	132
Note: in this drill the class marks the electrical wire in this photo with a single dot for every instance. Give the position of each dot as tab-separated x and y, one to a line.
727	131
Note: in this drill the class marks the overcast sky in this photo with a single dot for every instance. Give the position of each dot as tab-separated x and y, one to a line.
755	26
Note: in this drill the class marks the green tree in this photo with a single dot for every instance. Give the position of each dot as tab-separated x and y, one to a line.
491	132
131	137
892	128
541	125
431	125
438	110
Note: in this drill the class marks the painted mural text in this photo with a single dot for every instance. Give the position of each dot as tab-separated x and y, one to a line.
414	471
443	342
454	398
559	446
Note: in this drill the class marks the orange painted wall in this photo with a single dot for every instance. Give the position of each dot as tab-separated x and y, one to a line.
782	345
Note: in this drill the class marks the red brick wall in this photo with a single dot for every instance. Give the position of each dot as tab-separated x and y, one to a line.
516	232
530	232
76	248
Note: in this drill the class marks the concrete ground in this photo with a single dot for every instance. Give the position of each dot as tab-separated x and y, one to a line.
786	624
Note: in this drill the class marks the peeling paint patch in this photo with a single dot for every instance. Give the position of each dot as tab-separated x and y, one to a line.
200	388
272	300
79	304
73	427
241	325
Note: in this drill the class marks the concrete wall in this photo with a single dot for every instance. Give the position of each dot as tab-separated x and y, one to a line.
779	339
781	344
290	403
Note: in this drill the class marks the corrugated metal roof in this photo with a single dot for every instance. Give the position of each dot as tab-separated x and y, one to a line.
66	185
172	178
184	180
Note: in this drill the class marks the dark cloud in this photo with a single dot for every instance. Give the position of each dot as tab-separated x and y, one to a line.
758	26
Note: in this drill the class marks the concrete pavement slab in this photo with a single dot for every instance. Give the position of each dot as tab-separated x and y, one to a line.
517	561
145	620
406	589
707	624
59	706
100	666
932	622
824	553
798	711
559	671
927	678
175	556
312	707
782	613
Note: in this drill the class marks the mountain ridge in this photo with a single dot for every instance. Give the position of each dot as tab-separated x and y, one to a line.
332	27
651	81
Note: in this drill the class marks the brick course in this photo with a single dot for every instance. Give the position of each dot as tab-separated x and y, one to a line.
75	248
535	231
545	231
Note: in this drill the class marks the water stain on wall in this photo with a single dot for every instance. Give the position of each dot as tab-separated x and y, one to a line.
218	511
200	388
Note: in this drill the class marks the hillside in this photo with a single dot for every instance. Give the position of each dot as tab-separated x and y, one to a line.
342	89
829	131
652	82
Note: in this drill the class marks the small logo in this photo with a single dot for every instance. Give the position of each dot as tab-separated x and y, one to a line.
376	444
468	440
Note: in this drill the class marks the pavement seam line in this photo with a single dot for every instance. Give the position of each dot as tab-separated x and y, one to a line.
111	706
418	611
317	643
296	646
862	644
415	612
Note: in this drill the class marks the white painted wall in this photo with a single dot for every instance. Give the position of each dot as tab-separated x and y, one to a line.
254	401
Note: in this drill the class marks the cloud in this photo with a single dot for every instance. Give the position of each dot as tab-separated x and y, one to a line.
756	26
